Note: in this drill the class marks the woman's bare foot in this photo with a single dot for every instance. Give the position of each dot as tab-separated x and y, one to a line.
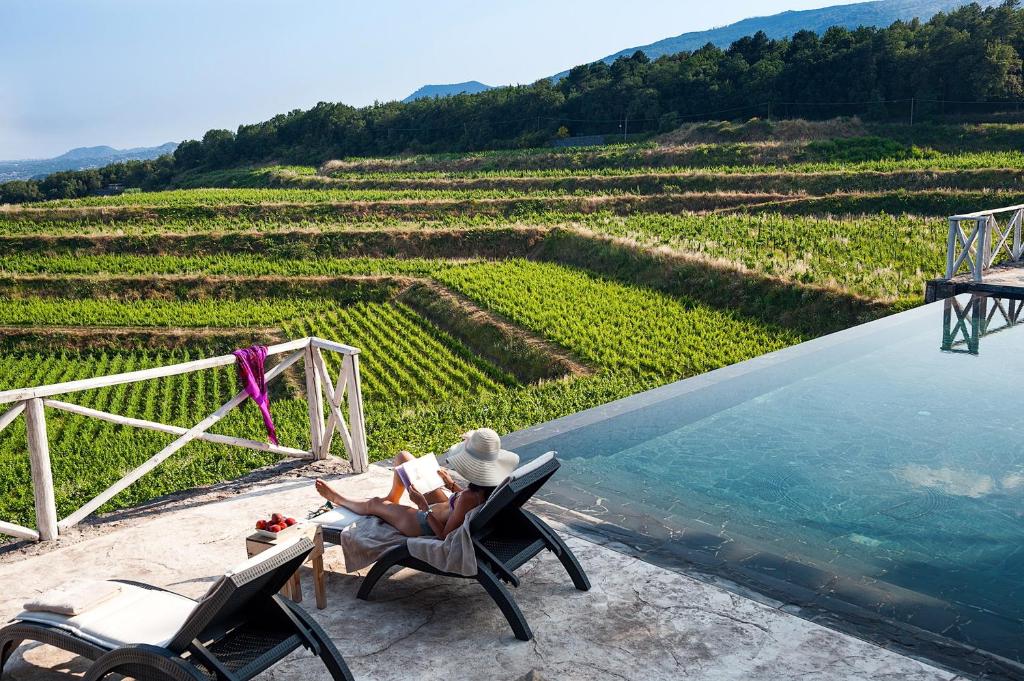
362	507
325	490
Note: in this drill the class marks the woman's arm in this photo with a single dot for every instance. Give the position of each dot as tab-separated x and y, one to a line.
448	481
464	504
417	498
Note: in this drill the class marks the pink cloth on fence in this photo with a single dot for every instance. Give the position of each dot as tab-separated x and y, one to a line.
250	372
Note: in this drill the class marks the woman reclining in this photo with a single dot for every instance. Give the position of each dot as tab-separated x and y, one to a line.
479	459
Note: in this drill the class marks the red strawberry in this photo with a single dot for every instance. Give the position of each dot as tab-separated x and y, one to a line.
261	524
290	521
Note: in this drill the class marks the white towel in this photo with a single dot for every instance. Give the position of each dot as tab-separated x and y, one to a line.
366	540
75	597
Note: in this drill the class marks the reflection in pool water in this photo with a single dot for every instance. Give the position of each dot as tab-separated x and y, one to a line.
968	319
869	471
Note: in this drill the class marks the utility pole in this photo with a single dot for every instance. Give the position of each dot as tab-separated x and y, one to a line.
912	111
769	112
625	128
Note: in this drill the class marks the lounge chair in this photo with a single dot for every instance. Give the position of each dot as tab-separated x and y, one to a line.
505	537
240	628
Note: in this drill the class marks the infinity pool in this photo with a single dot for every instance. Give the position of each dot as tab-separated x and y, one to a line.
873	478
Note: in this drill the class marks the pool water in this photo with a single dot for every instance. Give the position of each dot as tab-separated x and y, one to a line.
874	475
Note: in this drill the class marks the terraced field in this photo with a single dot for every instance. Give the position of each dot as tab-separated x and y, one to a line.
502	288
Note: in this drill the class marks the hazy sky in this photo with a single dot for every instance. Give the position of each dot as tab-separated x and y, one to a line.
143	72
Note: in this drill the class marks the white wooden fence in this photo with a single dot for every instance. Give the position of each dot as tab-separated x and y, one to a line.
977	240
32	401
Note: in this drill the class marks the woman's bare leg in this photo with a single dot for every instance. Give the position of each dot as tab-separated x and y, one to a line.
331	495
397	486
399	516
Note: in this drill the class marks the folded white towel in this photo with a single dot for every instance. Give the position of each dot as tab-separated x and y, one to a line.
75	597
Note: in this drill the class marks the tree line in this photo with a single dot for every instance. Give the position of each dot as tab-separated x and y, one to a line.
945	66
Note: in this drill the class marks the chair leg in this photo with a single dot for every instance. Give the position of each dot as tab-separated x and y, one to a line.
380	568
562	550
327	651
571	564
497	591
7	648
143	662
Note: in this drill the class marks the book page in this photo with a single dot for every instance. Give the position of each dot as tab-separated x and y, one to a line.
421	473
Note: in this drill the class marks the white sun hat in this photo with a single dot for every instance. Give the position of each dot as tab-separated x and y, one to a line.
480	459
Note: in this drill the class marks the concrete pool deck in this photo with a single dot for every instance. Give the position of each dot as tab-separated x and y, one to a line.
638	620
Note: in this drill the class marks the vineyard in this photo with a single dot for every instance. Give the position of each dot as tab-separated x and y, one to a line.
498	288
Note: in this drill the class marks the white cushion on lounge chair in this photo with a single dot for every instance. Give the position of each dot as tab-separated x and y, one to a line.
74	597
530	467
521	471
136	615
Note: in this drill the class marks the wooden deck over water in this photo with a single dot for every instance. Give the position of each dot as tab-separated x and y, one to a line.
1003	280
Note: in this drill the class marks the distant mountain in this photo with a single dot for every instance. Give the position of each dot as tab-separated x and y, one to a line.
79	158
471	88
879	13
86	153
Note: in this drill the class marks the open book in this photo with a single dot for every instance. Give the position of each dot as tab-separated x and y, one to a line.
421	473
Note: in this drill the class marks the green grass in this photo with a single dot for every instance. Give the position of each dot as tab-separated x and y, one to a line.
250	197
403	359
159	313
14	224
613	326
881	257
965	161
246	265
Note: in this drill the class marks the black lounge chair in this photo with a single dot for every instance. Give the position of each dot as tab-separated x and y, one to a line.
505	537
241	627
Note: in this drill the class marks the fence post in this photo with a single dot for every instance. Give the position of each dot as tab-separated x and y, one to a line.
981	247
1018	247
360	457
42	475
954	225
314	403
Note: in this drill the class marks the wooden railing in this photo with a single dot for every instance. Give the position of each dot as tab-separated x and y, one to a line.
32	402
977	240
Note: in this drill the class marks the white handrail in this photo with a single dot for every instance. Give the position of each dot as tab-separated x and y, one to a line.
31	402
983	213
17	395
980	244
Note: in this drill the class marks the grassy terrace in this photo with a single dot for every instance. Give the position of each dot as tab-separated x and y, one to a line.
503	288
879	256
254	197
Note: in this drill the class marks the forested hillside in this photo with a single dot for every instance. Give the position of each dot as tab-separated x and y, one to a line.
875	13
947	65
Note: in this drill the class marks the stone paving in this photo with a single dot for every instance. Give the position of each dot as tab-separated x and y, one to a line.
638	622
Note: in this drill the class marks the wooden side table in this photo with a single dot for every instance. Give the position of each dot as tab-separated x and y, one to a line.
257	543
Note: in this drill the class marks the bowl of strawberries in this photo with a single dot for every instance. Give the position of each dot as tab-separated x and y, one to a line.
271	527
